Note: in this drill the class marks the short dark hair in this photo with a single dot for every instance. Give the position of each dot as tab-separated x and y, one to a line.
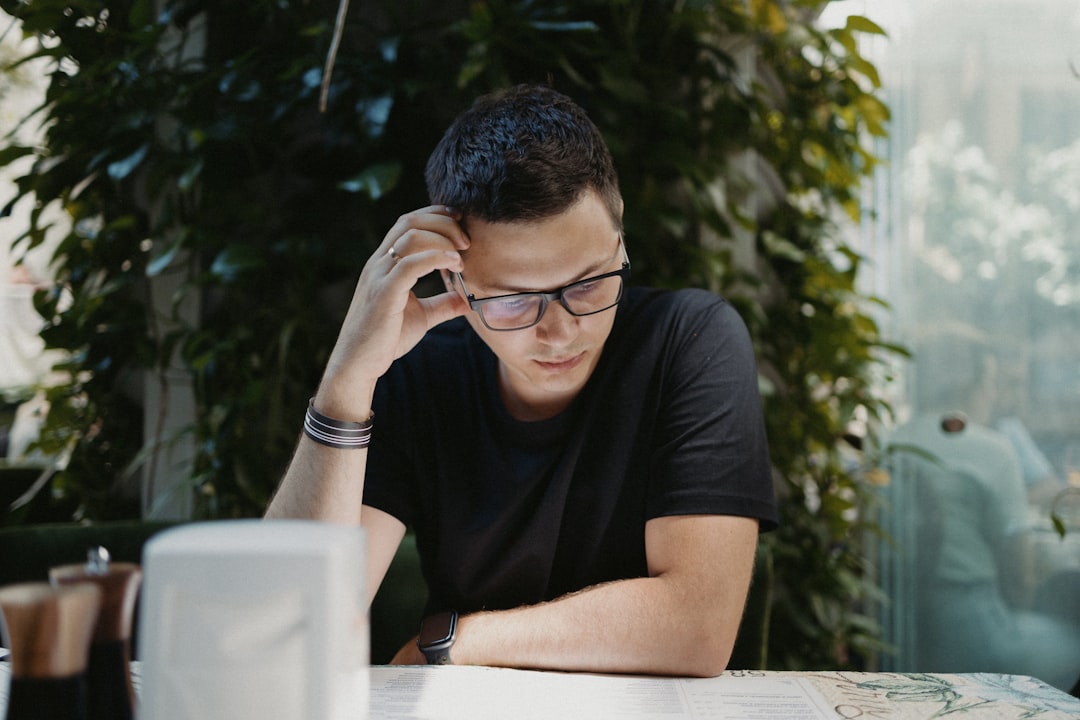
524	153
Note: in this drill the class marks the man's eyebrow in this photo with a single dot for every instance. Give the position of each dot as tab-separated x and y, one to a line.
588	272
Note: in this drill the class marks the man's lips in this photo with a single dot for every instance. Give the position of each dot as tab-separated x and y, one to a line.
561	364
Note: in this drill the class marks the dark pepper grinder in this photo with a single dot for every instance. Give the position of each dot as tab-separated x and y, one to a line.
110	695
49	629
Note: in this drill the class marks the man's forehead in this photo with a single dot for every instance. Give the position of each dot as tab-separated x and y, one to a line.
536	253
509	268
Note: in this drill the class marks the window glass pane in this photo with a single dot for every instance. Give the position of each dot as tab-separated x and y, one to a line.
981	258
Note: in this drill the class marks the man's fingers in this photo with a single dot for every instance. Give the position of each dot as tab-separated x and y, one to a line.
407	269
440	308
423	229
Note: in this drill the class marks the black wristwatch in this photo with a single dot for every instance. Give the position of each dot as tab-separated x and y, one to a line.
437	635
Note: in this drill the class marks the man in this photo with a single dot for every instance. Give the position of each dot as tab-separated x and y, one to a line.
584	465
970	527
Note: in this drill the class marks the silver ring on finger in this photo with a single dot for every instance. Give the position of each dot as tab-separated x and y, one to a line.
393	254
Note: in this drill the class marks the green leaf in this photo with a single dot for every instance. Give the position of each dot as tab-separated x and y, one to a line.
6	210
858	23
376	113
388	49
188	178
865	67
141	14
1059	524
162	261
375	181
236	260
570	26
779	247
874	113
120	169
474	65
769	14
11	153
51	51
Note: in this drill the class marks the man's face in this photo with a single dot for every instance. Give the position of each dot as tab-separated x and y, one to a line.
543	367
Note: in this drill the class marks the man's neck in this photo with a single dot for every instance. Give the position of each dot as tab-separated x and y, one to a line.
531	410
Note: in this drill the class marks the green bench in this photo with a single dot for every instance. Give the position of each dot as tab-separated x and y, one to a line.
28	551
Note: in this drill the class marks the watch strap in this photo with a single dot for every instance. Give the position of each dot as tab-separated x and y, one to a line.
437	635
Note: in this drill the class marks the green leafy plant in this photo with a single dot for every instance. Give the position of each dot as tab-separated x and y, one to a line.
191	142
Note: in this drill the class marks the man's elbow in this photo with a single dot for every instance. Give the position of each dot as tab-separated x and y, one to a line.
707	655
706	666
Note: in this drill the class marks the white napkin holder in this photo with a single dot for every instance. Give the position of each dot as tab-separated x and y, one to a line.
254	619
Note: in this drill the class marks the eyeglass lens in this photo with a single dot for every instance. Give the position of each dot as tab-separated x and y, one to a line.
581	298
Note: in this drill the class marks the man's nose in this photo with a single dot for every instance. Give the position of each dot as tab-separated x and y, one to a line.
557	326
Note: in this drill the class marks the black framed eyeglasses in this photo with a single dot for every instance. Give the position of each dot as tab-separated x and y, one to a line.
518	311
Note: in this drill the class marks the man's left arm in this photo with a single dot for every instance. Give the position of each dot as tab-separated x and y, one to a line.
680	620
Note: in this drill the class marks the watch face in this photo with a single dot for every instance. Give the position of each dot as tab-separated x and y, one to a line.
437	629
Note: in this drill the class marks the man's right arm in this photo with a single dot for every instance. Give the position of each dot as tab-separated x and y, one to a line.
321	482
384	321
327	484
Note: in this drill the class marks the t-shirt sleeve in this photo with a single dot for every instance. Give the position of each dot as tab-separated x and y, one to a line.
385	462
710	454
394	458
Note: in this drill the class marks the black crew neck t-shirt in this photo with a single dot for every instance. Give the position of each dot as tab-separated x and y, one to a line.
508	513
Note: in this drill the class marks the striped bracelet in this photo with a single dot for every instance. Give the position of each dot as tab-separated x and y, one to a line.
336	433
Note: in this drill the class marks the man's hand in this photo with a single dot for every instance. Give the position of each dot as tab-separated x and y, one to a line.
385	318
409	654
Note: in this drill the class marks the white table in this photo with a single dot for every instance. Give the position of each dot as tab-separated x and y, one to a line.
452	693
